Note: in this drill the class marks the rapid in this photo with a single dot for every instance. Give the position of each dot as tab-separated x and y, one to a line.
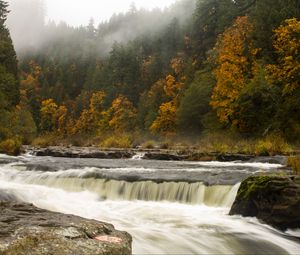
168	207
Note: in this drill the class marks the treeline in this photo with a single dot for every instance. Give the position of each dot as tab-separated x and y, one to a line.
229	65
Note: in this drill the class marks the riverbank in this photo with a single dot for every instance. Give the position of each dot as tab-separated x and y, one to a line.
150	154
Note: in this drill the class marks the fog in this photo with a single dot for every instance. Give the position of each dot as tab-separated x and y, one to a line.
35	23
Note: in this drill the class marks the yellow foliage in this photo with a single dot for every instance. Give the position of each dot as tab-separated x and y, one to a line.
123	114
172	87
117	141
234	64
90	119
96	102
10	147
53	117
165	122
287	46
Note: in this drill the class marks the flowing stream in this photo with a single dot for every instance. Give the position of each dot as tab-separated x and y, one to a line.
168	207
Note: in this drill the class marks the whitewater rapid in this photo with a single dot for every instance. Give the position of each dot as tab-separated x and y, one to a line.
162	217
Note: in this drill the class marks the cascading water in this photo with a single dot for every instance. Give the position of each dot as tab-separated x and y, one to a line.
163	216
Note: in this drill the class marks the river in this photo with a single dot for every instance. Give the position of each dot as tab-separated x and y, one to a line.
168	207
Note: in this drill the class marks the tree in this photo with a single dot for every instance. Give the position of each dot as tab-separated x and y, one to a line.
194	104
165	123
9	83
235	66
123	115
287	45
89	120
53	117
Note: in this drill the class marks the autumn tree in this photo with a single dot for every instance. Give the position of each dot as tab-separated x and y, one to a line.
89	120
53	116
285	74
235	66
123	115
165	123
287	45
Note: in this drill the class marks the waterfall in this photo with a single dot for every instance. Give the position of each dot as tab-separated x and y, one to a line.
182	192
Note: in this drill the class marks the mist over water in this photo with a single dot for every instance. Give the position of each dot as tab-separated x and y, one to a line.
161	217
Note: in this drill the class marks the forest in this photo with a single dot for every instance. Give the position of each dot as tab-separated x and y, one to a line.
221	72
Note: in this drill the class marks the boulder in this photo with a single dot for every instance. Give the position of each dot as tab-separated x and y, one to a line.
274	200
27	230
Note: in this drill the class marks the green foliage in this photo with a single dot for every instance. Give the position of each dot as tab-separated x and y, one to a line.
195	103
256	103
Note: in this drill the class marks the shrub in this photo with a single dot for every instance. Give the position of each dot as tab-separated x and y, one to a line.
117	141
45	140
11	147
294	162
150	144
272	145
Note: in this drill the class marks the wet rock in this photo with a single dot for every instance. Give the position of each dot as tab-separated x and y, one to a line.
273	199
27	230
64	152
162	156
234	157
5	196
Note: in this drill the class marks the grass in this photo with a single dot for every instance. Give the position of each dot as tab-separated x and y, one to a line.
117	141
294	162
218	142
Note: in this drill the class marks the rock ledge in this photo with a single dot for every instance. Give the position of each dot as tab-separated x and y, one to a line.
27	230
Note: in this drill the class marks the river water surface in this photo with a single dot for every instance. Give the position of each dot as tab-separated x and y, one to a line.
168	207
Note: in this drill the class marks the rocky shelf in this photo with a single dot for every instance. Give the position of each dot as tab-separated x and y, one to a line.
148	154
27	230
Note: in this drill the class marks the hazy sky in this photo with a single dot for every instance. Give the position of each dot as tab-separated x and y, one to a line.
77	12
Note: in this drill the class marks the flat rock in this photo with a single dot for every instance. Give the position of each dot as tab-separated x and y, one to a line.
64	152
274	200
27	230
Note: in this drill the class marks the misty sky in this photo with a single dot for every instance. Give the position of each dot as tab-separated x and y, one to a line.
79	12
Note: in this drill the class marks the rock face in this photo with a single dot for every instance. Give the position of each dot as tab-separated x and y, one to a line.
272	199
27	230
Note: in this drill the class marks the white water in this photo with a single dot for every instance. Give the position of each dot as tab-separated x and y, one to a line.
160	226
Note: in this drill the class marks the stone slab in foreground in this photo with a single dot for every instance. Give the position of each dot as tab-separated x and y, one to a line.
273	199
25	229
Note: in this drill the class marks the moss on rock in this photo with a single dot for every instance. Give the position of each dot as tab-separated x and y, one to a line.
272	199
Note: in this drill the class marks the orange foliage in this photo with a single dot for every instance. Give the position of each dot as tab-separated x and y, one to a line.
287	46
123	114
235	61
165	123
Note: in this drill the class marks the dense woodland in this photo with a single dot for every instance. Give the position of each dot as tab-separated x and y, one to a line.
196	68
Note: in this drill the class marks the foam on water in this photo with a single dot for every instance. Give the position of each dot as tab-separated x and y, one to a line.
157	227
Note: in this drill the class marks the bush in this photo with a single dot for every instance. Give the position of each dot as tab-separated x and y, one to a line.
272	145
294	162
45	140
11	147
117	141
150	144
